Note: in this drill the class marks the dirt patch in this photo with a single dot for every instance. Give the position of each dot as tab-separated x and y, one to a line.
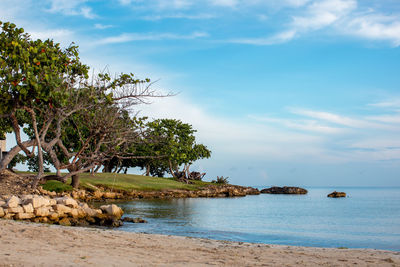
15	184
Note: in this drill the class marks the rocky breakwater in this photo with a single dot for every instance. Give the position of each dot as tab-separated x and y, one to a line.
284	190
62	210
208	191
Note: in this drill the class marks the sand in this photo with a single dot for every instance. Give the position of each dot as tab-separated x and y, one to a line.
29	244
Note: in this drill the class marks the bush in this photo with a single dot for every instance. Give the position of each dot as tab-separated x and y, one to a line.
220	180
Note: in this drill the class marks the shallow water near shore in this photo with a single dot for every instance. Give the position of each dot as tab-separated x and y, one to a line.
368	218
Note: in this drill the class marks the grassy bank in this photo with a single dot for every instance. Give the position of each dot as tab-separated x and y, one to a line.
126	182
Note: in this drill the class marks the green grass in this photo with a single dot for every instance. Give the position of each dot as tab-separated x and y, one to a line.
127	182
56	186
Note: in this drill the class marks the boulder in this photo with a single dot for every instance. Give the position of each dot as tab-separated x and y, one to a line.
90	212
112	210
284	190
2	203
42	212
24	216
2	213
53	216
65	222
67	201
17	209
13	202
28	208
37	202
61	209
335	194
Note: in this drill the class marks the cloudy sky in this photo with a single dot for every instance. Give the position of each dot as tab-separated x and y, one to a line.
290	92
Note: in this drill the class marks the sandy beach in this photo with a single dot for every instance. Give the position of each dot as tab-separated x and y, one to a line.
29	244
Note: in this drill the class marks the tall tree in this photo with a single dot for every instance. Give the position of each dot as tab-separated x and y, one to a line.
30	71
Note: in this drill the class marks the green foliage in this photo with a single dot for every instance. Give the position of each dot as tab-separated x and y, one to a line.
33	71
176	143
56	186
221	180
19	158
33	165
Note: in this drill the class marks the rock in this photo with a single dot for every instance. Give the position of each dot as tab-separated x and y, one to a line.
98	194
110	195
67	201
28	208
74	213
335	194
2	203
83	205
37	201
17	209
24	215
9	215
2	213
90	212
13	202
53	216
112	210
134	220
284	190
65	222
61	209
42	212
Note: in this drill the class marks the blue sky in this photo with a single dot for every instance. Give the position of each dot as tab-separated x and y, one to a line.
291	92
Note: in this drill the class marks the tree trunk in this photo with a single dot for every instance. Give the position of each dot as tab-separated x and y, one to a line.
171	170
13	152
75	181
147	169
39	146
126	170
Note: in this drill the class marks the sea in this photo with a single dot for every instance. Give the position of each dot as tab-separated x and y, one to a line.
367	218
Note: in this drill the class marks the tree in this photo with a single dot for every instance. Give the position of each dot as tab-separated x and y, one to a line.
177	145
30	71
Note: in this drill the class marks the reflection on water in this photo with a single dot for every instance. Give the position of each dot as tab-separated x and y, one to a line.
368	218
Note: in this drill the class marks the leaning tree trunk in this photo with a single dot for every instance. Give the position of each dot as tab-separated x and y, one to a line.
171	170
39	146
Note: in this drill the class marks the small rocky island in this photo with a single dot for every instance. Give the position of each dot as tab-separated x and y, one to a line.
291	190
335	194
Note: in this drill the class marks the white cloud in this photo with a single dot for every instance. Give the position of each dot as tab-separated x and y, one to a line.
323	13
224	3
376	27
102	26
71	8
179	16
130	37
279	38
302	125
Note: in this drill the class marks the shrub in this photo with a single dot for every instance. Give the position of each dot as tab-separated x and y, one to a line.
220	180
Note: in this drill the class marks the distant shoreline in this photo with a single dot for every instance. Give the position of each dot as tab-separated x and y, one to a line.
28	244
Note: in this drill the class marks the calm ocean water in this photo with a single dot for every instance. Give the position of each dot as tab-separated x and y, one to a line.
368	218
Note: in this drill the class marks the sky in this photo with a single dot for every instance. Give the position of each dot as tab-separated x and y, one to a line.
289	92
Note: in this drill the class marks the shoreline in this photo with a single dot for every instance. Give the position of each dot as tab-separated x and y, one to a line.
29	244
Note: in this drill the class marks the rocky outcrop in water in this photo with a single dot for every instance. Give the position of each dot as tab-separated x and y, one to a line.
335	194
284	190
